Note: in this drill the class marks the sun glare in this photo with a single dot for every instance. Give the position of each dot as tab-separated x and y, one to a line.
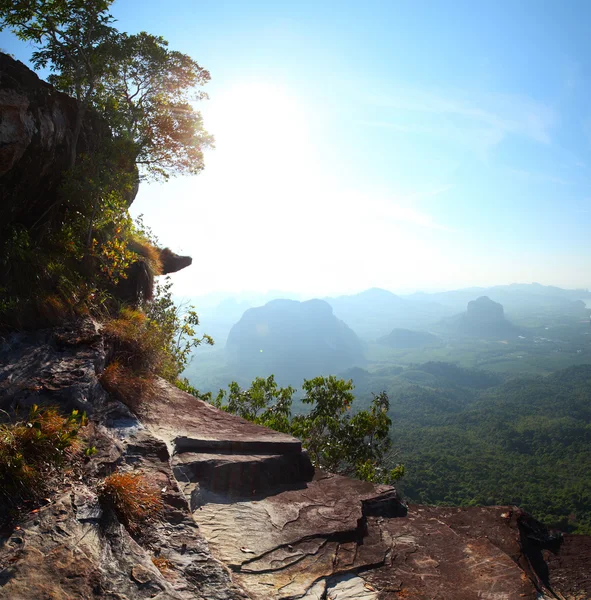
258	125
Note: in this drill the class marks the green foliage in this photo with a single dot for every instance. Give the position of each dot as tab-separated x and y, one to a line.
90	451
263	403
176	325
32	449
524	441
145	98
337	440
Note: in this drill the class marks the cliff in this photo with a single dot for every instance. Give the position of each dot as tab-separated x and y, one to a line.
245	515
35	143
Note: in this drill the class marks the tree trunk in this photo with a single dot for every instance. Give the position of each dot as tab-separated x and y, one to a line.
76	134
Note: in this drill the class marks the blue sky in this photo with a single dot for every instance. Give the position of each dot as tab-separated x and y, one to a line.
405	145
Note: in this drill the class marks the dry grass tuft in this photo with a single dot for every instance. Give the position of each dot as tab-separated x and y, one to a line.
131	388
148	252
134	499
32	449
137	341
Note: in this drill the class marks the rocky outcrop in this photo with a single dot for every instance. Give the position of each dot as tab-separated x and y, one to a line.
36	128
245	515
36	138
71	547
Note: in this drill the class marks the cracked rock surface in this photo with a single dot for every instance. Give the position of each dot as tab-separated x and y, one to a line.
245	515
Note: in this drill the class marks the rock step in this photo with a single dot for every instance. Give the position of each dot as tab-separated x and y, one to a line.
242	474
188	424
289	542
253	445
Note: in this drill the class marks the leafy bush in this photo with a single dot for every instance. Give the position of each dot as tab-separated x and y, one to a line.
155	342
31	450
134	499
177	325
337	440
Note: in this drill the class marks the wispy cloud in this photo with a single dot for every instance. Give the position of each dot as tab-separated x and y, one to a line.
478	121
538	177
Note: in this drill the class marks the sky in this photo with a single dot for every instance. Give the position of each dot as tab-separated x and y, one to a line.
408	145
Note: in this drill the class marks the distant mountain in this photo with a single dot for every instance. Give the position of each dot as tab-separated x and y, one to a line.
293	340
375	312
516	297
218	312
484	318
406	338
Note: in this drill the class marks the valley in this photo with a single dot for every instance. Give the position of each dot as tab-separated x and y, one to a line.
500	414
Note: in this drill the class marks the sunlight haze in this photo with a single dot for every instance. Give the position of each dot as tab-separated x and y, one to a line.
402	145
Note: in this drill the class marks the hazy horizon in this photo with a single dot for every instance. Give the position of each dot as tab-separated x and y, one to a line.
406	146
214	297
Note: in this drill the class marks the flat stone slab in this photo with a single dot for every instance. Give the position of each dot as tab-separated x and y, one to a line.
451	554
188	424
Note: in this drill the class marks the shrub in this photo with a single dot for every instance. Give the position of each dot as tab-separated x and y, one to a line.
129	387
137	341
134	499
158	340
32	449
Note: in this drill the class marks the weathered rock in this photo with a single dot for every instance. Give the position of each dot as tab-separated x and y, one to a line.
171	262
73	548
191	425
53	367
280	544
36	135
240	474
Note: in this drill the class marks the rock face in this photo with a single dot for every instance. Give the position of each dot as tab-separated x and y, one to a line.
245	514
36	124
72	548
293	340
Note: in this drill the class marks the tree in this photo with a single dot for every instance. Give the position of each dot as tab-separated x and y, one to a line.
147	97
176	330
264	403
337	440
